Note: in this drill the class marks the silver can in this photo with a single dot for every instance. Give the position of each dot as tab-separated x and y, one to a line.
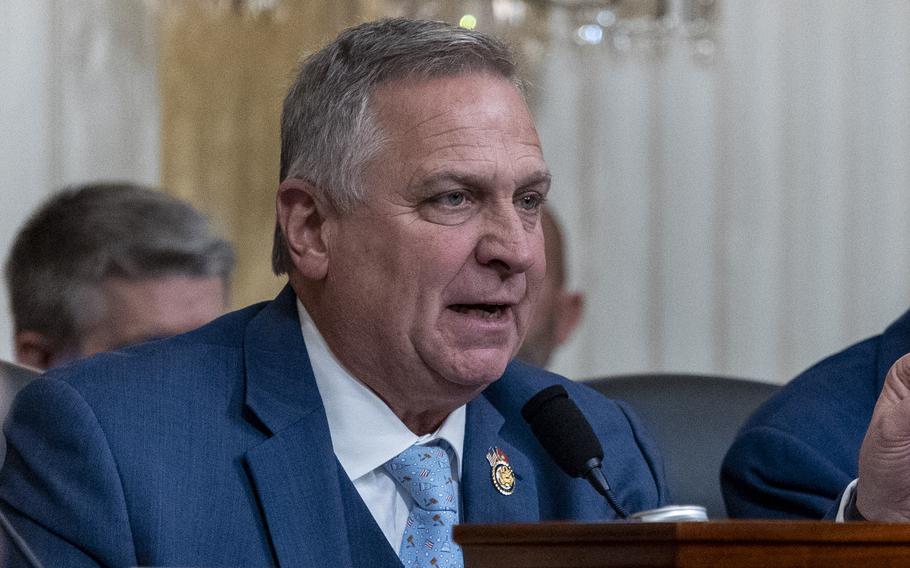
672	514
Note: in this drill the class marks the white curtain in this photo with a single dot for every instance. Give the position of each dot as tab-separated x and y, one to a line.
79	102
744	218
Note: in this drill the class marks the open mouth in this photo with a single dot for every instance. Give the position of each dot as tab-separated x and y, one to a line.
486	311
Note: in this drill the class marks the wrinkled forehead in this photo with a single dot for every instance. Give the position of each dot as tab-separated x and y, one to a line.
418	106
473	126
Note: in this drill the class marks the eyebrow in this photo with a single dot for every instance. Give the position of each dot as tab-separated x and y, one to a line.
539	177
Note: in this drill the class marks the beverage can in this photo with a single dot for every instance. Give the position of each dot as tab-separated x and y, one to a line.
672	514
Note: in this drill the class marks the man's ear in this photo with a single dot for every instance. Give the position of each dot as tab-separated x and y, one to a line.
302	216
34	350
568	315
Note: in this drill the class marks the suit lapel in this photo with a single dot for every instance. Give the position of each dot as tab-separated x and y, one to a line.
481	501
294	472
296	479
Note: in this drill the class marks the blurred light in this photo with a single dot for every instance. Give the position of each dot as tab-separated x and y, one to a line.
257	7
511	12
590	34
468	22
606	18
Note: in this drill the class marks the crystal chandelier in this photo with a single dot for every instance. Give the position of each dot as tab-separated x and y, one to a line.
623	28
626	28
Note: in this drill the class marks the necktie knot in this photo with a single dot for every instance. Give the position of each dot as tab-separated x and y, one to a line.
425	472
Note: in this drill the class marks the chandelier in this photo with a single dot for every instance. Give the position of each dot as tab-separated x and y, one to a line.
624	28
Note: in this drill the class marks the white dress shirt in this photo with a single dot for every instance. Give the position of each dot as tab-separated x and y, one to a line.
845	498
366	434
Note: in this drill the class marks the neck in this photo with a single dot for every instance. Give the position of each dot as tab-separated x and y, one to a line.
420	422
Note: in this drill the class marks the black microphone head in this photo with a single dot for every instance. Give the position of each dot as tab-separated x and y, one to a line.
562	430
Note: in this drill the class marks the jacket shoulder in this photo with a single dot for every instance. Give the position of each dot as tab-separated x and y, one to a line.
209	351
843	385
631	459
800	448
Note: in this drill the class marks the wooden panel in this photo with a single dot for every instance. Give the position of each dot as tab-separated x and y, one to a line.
691	545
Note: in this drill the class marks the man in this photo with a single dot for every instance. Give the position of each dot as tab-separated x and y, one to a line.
372	404
797	454
558	311
103	266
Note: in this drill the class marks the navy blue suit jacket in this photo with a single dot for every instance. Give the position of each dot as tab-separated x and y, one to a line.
212	448
797	453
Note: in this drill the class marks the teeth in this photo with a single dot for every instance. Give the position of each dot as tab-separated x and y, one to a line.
486	311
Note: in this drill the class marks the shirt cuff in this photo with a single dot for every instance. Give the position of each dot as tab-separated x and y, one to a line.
845	498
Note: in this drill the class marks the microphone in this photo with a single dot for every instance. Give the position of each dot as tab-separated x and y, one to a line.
568	438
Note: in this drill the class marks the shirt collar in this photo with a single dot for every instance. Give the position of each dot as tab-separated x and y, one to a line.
352	410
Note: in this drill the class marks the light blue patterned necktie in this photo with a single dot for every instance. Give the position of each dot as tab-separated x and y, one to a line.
425	473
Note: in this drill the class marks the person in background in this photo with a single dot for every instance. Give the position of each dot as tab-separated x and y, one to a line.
845	418
102	266
375	402
558	311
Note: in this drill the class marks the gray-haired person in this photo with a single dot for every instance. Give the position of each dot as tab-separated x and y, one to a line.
106	265
374	403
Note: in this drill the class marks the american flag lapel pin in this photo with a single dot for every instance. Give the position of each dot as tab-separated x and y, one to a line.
501	472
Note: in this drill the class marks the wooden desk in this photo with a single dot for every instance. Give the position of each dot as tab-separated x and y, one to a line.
739	544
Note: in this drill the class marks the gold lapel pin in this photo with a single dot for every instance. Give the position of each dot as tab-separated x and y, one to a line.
501	472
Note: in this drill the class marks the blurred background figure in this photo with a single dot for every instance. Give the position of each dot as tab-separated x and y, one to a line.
558	310
102	266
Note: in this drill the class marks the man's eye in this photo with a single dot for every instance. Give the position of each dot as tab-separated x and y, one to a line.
453	199
530	201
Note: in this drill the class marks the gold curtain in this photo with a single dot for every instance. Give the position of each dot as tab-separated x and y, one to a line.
223	72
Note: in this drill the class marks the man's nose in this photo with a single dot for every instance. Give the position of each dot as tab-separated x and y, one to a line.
509	242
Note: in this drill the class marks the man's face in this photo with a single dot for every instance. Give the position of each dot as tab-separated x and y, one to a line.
137	310
431	282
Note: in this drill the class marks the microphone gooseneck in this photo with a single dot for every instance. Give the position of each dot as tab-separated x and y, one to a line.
568	438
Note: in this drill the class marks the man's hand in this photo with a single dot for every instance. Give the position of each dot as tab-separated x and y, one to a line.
883	491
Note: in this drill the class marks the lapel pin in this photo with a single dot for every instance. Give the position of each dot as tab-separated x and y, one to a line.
501	472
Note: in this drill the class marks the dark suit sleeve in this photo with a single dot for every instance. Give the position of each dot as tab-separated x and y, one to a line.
59	486
650	454
772	474
800	449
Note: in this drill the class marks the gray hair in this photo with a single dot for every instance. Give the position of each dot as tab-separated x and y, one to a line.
328	131
85	234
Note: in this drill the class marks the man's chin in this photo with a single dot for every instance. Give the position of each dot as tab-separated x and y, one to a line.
477	367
